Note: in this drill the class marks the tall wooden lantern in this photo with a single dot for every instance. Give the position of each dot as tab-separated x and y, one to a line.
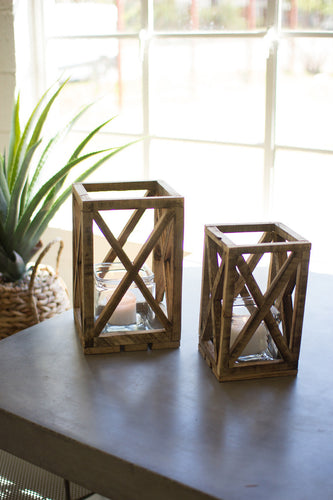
252	300
128	302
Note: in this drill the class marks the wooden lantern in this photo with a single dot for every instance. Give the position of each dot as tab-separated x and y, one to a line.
163	249
232	271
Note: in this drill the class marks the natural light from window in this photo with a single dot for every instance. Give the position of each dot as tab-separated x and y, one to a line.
233	100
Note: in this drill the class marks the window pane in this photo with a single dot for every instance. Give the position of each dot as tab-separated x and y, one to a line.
307	15
115	82
304	95
213	15
303	200
82	17
208	89
219	183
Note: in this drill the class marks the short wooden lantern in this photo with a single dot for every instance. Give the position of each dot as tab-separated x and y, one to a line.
162	248
264	339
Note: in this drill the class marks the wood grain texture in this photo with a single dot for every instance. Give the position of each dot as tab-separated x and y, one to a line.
163	247
228	272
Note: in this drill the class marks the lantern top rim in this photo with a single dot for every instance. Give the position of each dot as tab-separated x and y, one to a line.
278	236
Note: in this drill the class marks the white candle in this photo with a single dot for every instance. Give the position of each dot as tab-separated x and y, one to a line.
125	312
258	342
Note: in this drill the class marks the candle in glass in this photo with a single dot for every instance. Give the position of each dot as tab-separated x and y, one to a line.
258	342
132	312
125	312
261	345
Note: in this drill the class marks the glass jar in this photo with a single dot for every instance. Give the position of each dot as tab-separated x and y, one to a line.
133	312
261	346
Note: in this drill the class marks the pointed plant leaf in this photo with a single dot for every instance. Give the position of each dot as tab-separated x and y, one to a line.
88	138
3	206
13	208
51	146
43	115
24	222
4	185
38	115
15	131
39	225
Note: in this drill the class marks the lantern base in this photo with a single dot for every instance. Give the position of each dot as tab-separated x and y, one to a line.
276	369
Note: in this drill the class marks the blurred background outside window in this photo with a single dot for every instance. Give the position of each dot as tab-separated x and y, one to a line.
233	100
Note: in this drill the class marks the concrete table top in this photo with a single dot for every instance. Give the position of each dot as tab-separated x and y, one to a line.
158	425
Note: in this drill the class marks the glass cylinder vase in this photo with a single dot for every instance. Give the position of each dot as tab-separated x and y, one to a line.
133	311
261	346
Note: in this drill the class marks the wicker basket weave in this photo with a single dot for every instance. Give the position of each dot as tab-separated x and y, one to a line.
40	295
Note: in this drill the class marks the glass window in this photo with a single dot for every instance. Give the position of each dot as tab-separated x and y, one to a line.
211	89
304	92
219	183
92	17
198	86
302	199
209	15
307	15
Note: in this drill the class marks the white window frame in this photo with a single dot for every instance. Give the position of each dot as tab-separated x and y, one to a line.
273	33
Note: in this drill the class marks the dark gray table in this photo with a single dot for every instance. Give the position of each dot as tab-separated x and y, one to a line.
158	425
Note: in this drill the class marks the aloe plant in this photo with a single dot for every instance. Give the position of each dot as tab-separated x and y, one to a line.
27	203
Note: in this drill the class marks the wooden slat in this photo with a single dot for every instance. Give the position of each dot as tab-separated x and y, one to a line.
228	298
299	301
264	303
166	234
132	272
125	233
152	185
288	271
176	272
205	321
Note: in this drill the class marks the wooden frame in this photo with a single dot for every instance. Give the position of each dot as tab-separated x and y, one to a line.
164	246
228	274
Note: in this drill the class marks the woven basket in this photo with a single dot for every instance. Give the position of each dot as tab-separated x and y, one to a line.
39	295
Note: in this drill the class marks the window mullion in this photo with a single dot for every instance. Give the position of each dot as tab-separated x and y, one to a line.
270	105
145	38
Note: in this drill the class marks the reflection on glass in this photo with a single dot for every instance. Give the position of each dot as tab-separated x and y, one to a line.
133	312
213	15
306	15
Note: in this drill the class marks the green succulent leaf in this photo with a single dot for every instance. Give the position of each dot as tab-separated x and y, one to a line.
25	224
27	202
14	203
45	218
31	131
15	134
50	147
4	194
